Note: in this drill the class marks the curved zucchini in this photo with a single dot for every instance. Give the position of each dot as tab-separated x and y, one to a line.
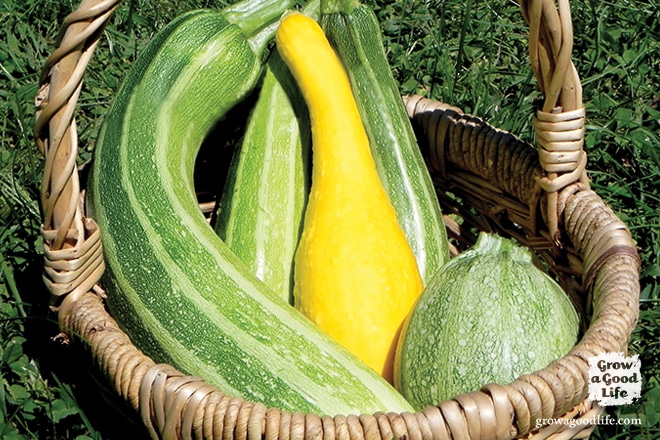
174	286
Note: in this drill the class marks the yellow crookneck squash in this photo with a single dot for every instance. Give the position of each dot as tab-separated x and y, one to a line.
355	273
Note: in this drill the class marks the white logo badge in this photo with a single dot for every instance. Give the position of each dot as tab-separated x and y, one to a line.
614	379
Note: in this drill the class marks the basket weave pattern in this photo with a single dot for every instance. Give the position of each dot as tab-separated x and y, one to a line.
488	178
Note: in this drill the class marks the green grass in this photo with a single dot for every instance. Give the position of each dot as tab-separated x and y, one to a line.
471	53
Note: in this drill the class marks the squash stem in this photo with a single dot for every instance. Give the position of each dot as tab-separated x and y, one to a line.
255	16
336	6
492	244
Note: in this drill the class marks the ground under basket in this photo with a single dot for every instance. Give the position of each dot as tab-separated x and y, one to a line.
488	179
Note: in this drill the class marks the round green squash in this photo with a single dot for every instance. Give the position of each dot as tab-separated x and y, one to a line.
487	316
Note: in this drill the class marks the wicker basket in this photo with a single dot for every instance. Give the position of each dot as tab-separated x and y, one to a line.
488	178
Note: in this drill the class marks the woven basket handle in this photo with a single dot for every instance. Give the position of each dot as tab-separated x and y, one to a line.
559	124
73	255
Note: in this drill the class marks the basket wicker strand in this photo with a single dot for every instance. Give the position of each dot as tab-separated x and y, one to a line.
498	183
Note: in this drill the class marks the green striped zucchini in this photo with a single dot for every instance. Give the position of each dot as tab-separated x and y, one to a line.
261	211
174	286
353	30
